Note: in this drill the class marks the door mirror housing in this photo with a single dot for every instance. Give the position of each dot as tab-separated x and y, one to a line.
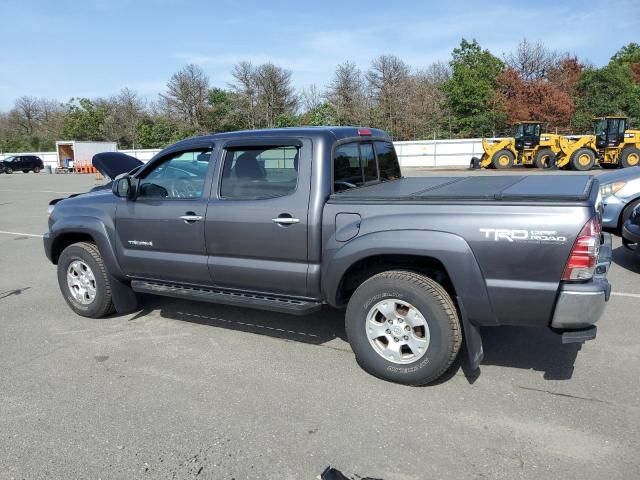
121	186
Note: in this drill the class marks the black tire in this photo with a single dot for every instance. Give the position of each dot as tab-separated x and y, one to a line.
8	170
88	253
583	159
626	213
36	169
502	159
545	158
434	305
630	157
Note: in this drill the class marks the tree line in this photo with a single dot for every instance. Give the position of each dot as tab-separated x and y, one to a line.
474	94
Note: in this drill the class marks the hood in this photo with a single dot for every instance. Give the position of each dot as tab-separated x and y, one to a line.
623	174
112	164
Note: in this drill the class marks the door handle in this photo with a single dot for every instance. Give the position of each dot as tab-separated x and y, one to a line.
285	220
189	218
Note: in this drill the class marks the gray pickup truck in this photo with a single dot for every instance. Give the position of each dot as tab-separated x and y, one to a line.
293	219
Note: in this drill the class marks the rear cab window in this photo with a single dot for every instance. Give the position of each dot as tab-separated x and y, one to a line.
357	164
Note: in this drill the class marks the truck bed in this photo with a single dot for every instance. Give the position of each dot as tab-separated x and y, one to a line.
539	188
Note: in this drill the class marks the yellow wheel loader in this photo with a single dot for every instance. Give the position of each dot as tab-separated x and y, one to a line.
528	147
612	145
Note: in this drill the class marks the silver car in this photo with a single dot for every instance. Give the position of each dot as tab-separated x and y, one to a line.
620	194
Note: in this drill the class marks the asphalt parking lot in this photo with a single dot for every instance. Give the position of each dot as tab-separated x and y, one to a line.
187	390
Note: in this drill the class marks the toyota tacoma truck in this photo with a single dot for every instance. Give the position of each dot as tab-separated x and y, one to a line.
294	219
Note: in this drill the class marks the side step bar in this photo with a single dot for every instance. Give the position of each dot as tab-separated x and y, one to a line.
227	297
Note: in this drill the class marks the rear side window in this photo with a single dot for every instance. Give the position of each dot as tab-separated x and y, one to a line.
259	172
357	164
387	161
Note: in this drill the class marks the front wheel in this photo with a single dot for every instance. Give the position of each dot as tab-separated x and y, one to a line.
83	280
403	327
8	170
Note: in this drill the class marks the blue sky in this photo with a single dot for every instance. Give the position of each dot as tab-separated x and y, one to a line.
59	49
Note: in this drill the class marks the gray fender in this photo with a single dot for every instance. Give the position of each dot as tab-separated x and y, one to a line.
98	231
124	298
451	250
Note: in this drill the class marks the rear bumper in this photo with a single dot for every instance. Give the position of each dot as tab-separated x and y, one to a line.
580	305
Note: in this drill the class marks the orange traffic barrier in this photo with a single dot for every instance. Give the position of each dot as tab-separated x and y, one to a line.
84	167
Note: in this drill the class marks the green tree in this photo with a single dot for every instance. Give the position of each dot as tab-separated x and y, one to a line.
471	90
609	90
323	114
223	113
627	54
158	132
84	120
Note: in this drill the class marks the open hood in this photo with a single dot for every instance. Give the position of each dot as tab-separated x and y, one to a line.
112	164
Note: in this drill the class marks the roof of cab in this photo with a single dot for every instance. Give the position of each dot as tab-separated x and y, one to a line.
334	133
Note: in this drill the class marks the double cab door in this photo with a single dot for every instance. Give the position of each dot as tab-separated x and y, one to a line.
234	216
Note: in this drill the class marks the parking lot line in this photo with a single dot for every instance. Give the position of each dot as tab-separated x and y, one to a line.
21	234
622	294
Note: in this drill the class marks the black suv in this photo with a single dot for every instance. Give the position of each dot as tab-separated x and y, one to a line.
25	163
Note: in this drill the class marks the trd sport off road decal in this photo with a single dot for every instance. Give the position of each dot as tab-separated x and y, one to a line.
534	236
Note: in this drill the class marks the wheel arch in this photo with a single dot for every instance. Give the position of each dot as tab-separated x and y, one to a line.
68	231
436	254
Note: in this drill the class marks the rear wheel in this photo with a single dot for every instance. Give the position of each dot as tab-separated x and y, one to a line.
403	327
502	159
545	158
83	280
630	157
36	169
583	159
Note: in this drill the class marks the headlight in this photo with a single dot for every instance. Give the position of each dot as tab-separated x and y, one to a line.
50	209
609	189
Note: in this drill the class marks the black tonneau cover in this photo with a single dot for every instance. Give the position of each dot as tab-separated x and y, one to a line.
487	187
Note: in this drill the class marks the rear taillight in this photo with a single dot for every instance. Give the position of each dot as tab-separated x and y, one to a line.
584	254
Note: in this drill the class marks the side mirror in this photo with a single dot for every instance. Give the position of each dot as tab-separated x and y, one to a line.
122	186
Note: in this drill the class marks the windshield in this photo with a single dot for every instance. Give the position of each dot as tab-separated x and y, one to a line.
519	131
10	159
527	130
600	126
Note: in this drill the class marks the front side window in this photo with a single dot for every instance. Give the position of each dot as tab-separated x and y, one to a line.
180	176
259	172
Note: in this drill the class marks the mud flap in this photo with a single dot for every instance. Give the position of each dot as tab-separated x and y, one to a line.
124	298
473	340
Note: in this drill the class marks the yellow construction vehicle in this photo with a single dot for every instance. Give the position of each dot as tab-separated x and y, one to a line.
612	145
528	147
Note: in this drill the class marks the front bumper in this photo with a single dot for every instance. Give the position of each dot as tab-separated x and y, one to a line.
580	305
631	233
47	240
613	207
